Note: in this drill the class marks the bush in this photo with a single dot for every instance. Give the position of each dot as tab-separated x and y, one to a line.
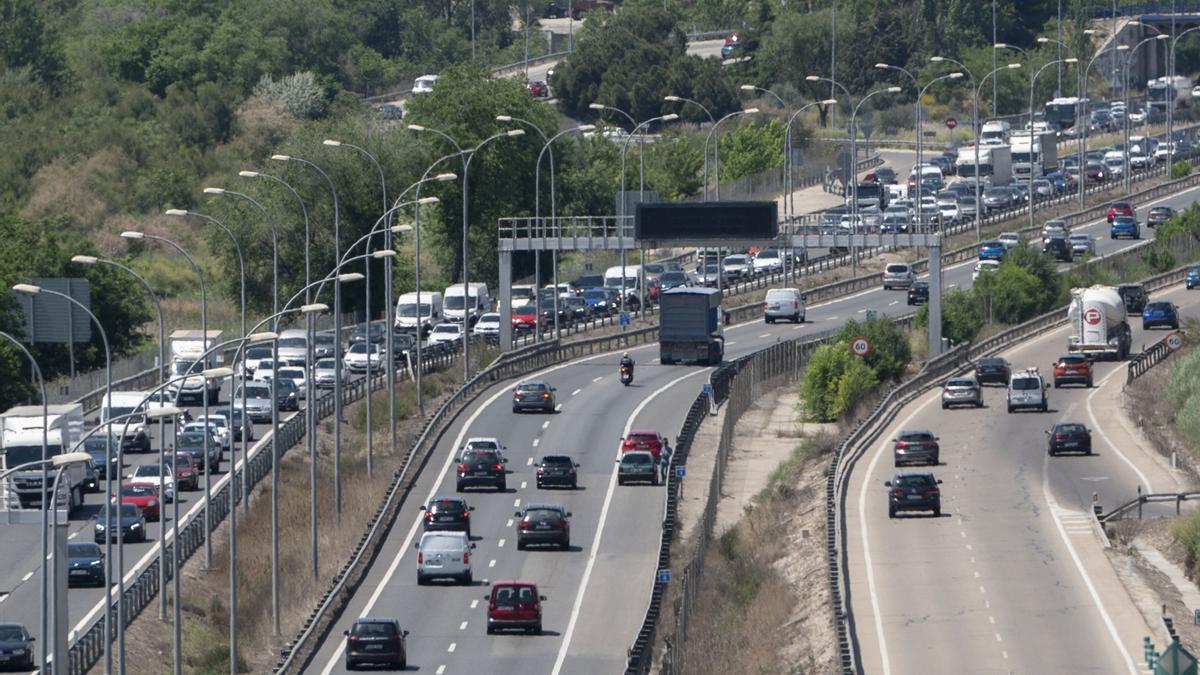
1180	169
962	316
299	93
819	390
1186	530
1185	380
890	349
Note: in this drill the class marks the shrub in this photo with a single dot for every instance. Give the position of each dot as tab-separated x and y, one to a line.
1180	169
890	349
299	93
962	316
819	388
1186	530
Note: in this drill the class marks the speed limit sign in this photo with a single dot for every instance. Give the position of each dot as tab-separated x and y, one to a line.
1174	341
860	346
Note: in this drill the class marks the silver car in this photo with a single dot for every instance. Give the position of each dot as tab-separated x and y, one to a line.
1082	243
324	374
898	275
962	391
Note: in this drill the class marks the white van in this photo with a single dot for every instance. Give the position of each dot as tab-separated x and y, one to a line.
409	316
456	305
131	430
784	303
293	346
444	555
424	84
523	294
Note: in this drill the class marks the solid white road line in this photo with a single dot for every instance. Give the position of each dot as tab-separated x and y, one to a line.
866	542
1055	509
595	549
27	576
1113	446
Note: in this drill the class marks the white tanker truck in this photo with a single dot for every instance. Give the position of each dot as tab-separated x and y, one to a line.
1098	323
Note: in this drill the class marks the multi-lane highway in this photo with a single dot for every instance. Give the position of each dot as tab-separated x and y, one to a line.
596	591
1012	577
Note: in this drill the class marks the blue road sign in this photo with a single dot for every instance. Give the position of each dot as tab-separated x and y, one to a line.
707	389
680	471
624	319
664	575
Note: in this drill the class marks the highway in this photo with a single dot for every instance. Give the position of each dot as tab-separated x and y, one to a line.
1012	577
598	590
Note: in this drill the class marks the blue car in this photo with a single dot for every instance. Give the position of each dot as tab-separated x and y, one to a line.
598	300
1193	276
85	564
1125	226
1160	313
992	250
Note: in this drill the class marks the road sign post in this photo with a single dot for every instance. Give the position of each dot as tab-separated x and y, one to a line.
860	346
951	123
1174	341
664	575
1175	660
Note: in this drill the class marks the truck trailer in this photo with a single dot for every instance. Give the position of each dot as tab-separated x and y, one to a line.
995	164
187	346
1098	323
690	327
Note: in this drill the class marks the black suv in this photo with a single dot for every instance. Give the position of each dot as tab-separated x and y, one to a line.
15	640
375	641
543	524
1059	248
918	293
557	470
1134	296
914	492
993	369
482	467
1069	437
448	513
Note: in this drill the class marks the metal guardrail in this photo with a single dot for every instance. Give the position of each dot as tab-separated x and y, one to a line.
297	655
88	648
1138	502
1144	361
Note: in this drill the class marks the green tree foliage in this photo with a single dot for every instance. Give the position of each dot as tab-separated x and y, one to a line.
630	61
890	351
43	249
751	149
962	315
26	42
824	372
1180	169
853	386
836	381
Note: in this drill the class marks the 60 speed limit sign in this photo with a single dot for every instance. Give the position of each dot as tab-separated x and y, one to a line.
1173	341
860	346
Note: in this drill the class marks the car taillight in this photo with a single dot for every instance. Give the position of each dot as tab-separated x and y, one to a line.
897	492
562	524
462	467
466	557
525	523
1059	437
498	467
516	394
765	305
420	558
428	515
466	514
902	444
352	638
931	491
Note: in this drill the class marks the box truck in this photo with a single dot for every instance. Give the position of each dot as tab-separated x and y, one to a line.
690	326
22	443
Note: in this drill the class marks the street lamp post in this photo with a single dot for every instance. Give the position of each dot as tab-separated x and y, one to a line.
1127	169
387	284
643	295
1085	120
1032	82
623	201
920	145
337	359
975	129
420	318
162	376
1171	85
795	269
717	171
787	141
134	236
680	99
303	212
31	290
854	147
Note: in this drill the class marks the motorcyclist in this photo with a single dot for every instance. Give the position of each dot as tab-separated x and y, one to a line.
627	362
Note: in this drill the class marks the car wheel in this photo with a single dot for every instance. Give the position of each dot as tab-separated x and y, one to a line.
350	665
468	579
565	544
1045	407
421	580
491	631
537	630
502	487
937	512
539	485
402	664
620	481
769	321
520	545
1089	383
800	318
1010	408
891	513
1051	452
574	484
458	487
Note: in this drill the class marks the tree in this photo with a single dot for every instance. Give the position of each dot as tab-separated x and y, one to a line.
856	382
962	318
25	41
819	389
751	149
890	349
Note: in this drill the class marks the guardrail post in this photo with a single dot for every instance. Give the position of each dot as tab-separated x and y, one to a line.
1141	500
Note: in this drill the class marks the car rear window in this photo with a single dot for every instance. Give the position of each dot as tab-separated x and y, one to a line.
912	481
373	629
637	459
1070	428
643	437
542	514
961	382
918	436
897	269
1024	383
446	505
556	459
531	387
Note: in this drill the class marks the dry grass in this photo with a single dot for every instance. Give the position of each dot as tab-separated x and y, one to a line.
762	606
206	592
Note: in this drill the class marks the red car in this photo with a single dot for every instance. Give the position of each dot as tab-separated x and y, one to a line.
1119	209
644	439
524	318
514	604
538	89
144	496
187	476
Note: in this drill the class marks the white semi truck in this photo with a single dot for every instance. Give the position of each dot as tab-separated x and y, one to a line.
187	346
22	443
1035	154
995	164
1098	323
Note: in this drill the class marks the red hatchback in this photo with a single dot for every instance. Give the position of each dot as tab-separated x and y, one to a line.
144	496
524	318
1119	209
514	604
648	440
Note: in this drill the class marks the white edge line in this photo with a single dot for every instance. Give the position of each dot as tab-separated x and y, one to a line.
1113	446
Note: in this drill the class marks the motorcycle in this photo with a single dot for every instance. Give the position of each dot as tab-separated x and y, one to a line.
626	376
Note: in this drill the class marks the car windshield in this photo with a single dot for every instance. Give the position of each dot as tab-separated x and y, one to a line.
735	260
489	318
912	481
191	438
137	491
146	470
361	348
262	391
11	634
525	309
326	364
291	373
125	510
292	343
409	310
80	550
1024	383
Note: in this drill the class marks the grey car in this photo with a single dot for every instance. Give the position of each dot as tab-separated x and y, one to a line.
16	647
914	492
533	395
916	446
898	275
962	391
258	401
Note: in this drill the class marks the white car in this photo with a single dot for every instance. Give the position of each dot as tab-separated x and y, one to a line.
325	373
767	261
298	378
736	267
264	370
217	426
1009	239
363	355
446	332
983	267
488	324
950	212
1137	116
424	84
1164	151
1196	91
1082	243
151	473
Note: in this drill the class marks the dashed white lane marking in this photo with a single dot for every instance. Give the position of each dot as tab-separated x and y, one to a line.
500	544
474	604
516	502
992	620
462	626
492	563
863	310
27	576
3	597
536	442
452	647
558	408
73	534
510	522
523	484
440	669
1005	653
764	335
529	462
597	379
576	392
998	638
731	343
546	424
832	318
